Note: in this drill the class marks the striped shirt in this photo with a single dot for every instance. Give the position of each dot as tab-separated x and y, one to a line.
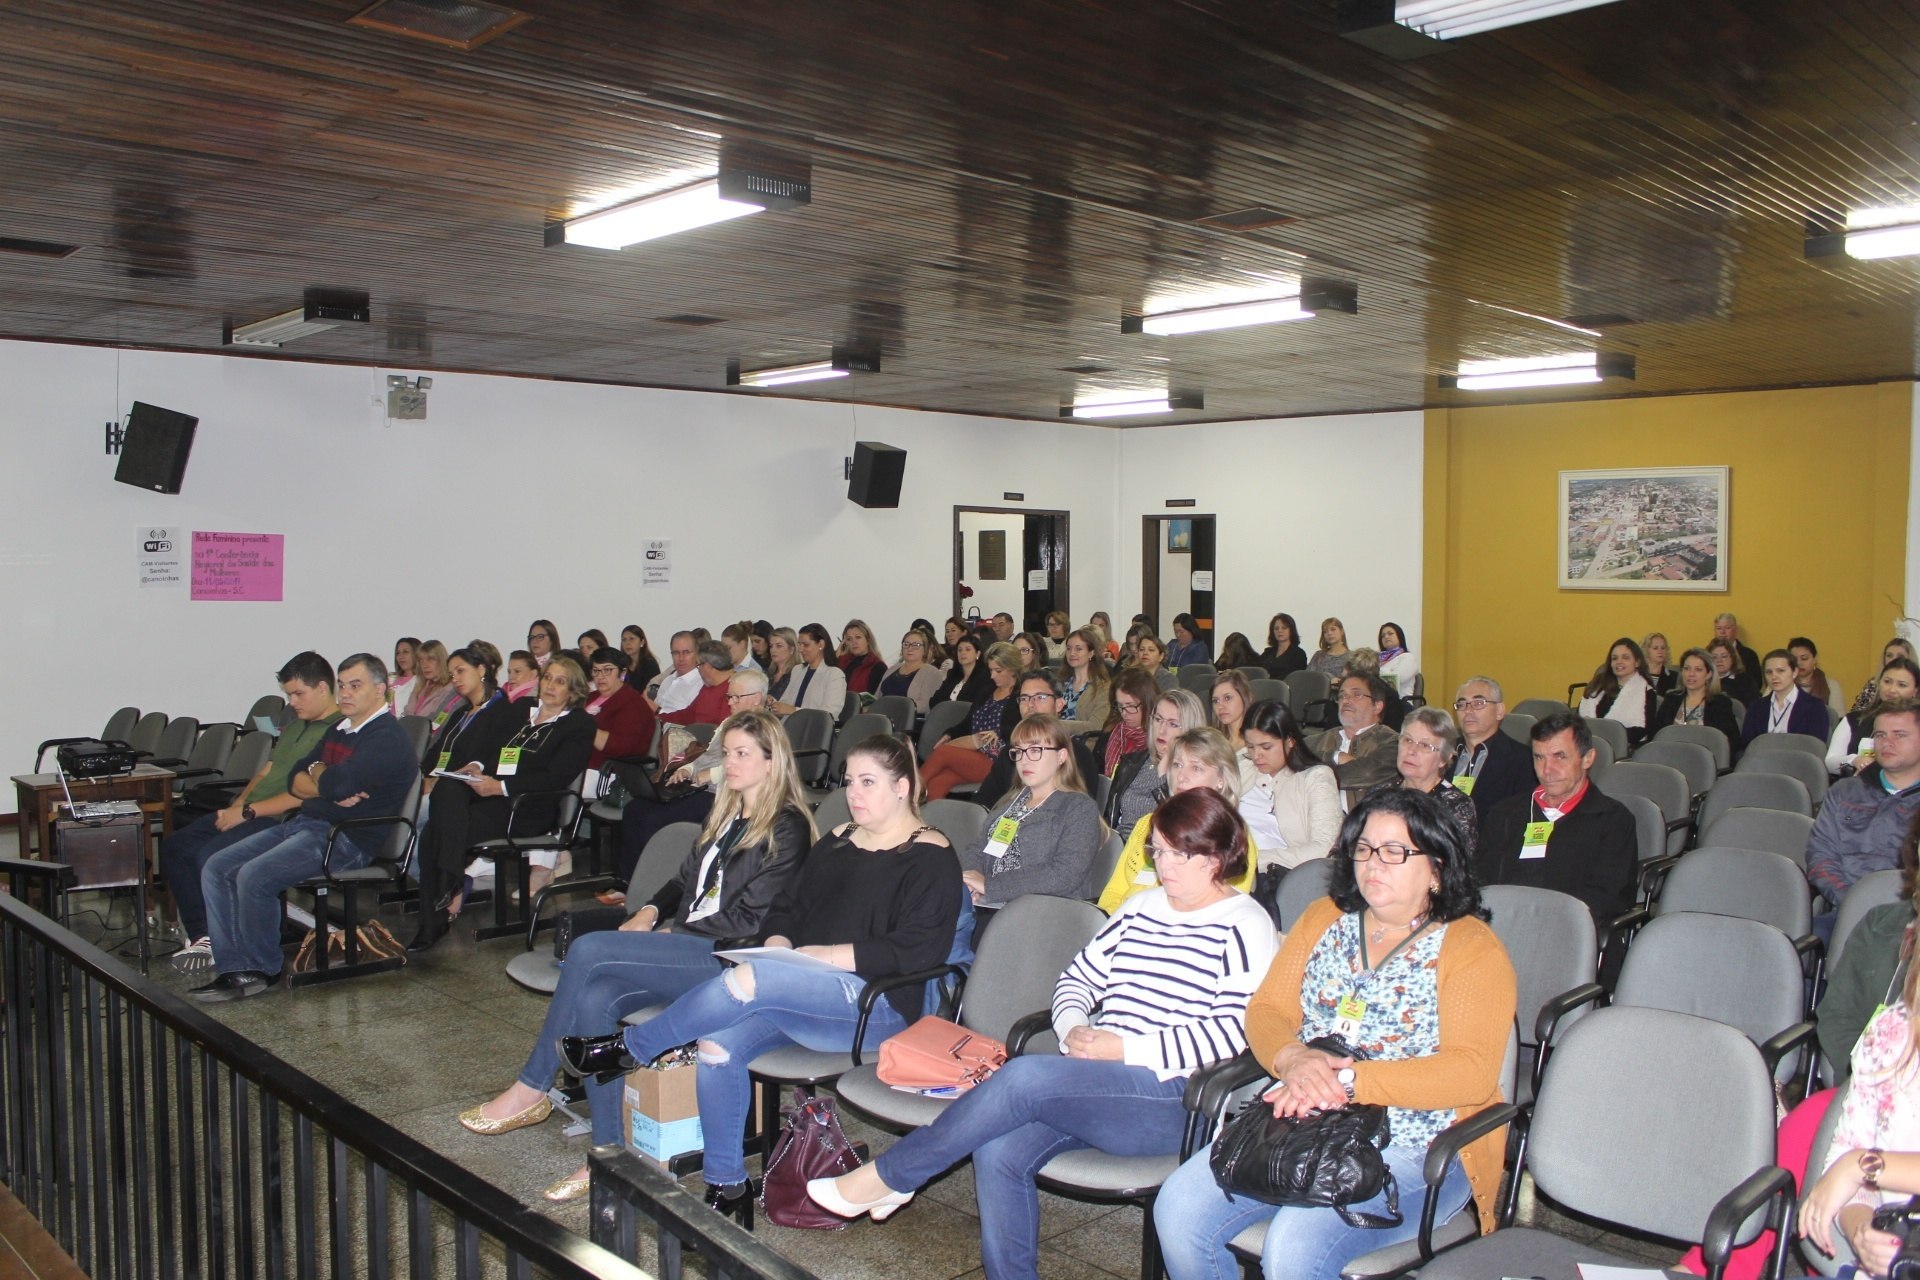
1173	985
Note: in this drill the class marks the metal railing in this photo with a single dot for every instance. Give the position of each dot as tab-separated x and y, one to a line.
150	1140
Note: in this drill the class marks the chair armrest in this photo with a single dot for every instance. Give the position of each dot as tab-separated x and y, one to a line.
1026	1028
203	793
40	753
1734	1208
1777	1046
563	889
202	772
354	824
1209	1088
1813	956
1620	930
1653	873
234	725
1547	1025
555	795
1445	1148
879	987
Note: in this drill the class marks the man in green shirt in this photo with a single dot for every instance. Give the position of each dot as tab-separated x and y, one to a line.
307	681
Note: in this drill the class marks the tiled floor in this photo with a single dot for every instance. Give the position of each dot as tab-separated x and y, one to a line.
417	1045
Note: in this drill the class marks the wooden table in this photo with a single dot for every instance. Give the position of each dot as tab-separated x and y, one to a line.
38	793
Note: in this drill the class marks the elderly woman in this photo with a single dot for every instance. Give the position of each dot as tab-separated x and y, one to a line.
1786	708
914	677
1428	741
1620	691
1085	683
1895	648
1698	700
1201	758
1132	1027
748	853
1289	798
1399	963
968	757
859	659
1188	646
877	898
1232	695
1331	658
1851	747
1141	782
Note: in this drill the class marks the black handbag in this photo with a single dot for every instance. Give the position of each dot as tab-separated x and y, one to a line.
1330	1158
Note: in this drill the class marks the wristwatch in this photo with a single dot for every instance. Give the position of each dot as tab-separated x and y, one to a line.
246	813
1345	1076
1872	1163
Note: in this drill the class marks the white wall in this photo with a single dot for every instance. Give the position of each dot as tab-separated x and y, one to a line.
1176	587
1317	516
517	498
1008	595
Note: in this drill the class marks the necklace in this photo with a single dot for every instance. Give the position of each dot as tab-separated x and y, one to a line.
1378	935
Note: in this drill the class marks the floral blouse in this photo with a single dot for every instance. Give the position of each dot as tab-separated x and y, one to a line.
1882	1107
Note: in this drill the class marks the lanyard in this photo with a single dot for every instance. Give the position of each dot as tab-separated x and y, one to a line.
526	735
1370	970
1777	715
467	719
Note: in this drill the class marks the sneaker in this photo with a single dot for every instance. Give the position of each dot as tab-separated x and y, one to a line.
234	986
195	957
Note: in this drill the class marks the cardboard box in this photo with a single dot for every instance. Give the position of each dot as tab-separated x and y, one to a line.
660	1112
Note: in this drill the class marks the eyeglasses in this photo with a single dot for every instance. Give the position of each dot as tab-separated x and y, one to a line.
1472	704
1167	722
740	697
1178	857
1126	708
1391	853
1027	698
1355	695
1030	753
1408	740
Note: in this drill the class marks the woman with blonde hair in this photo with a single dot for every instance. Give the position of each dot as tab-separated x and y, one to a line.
406	657
1662	673
783	655
433	693
860	658
1200	758
1141	781
1331	658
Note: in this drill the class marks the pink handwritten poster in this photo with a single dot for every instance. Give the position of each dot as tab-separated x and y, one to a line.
238	566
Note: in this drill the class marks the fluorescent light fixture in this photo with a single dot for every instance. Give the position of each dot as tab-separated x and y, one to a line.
731	193
1305	305
302	322
1883	233
1132	405
842	363
1452	19
1539	371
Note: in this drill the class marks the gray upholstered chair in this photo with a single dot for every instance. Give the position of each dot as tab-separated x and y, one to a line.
1197	678
1550	938
1307	687
857	729
1803	743
1694	762
1700	735
344	887
897	708
1267	689
536	969
1774	830
810	732
960	821
1755	791
1875	889
944	717
1811	770
1303	886
1665	786
1538	708
1518	725
832	810
175	743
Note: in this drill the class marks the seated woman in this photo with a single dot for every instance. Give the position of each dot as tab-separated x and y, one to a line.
749	852
1132	1028
1289	798
543	641
1869	969
1330	660
642	666
913	677
1189	644
1786	707
1058	625
1232	695
1041	837
1031	648
1142	781
1237	651
1201	758
1851	747
1148	653
951	632
480	722
1660	669
523	676
762	644
546	753
1398	667
406	659
1283	655
1894	648
1619	691
817	680
1085	682
783	655
877	898
623	721
434	696
738	637
1808	675
1738	683
1428	741
1399	962
1099	621
591	641
1122	744
967	679
860	661
967	756
1698	700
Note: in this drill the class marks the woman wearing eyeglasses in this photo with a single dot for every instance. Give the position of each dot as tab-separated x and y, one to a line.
914	677
543	641
1428	741
1044	837
1399	963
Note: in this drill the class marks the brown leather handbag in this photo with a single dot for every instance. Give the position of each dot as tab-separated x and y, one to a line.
812	1145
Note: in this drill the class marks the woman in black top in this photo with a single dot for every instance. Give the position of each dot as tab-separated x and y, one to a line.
474	731
1283	654
545	753
968	681
642	666
1698	700
879	897
747	856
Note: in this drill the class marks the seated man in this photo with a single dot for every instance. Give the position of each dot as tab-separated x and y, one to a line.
307	682
363	768
681	683
1865	819
709	706
1492	765
1363	751
1038	693
1565	834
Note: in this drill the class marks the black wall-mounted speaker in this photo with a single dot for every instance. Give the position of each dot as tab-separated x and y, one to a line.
877	472
153	454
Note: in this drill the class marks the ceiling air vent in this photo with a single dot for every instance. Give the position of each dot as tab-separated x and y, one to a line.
457	24
37	248
692	319
1254	219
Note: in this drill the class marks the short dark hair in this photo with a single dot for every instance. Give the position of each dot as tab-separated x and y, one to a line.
1801	642
607	655
1041	674
1560	722
1434	831
1007	616
376	669
1273	718
1377	689
1202	823
308	668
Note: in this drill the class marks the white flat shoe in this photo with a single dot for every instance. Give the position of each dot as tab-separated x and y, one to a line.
825	1192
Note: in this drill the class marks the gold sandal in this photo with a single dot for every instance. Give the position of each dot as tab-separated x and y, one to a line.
568	1189
478	1123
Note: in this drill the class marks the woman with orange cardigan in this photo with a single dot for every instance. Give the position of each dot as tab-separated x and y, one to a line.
1399	964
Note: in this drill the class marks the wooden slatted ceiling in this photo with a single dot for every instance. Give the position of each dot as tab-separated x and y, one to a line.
995	182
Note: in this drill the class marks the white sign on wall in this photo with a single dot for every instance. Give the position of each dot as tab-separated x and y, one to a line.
158	556
1203	579
656	562
1036	579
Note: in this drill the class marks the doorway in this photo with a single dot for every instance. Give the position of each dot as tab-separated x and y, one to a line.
1177	574
1012	560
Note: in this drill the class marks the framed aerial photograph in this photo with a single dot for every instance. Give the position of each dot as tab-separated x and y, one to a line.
1657	529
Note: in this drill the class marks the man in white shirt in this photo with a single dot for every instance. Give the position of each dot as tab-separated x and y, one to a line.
683	683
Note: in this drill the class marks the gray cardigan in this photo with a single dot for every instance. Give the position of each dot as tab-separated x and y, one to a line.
1053	852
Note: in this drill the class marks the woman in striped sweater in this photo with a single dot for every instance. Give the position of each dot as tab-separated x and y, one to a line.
1158	994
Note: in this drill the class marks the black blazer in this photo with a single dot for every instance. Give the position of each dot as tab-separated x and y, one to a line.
1281	665
549	761
753	876
977	687
1718	715
1507	771
1593	854
482	738
1123	775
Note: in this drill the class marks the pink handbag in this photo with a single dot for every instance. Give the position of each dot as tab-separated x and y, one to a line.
936	1054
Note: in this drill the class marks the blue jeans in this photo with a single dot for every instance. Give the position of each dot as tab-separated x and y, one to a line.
243	882
605	977
183	856
1026	1113
1304	1242
790	1005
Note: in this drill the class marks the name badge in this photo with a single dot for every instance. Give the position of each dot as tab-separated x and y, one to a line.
1348	1014
446	758
1534	843
440	720
1002	838
1145	876
509	762
1464	781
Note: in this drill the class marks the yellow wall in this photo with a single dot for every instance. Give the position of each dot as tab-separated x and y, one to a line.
1816	533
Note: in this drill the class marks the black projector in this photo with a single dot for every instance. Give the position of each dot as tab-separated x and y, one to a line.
95	759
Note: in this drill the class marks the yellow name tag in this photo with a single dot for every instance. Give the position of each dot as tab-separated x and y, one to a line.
1348	1015
446	758
509	762
439	719
1534	843
1002	838
1464	782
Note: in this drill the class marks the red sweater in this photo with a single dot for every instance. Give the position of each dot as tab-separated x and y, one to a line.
628	723
709	706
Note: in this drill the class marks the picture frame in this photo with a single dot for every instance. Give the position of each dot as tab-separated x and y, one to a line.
1179	537
1644	529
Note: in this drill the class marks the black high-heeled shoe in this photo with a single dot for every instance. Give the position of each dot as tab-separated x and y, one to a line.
433	927
734	1202
602	1057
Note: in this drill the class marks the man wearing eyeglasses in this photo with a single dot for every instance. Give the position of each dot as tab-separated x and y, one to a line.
1363	751
1038	694
1492	765
1564	834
